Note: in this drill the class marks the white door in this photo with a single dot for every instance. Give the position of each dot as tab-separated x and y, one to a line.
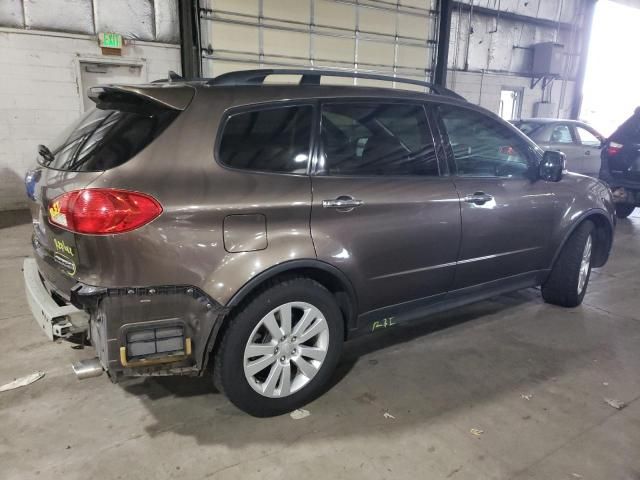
589	144
96	73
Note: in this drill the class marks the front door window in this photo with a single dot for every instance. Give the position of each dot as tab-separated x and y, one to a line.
483	147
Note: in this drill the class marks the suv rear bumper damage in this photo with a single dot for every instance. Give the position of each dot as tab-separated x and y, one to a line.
137	331
54	319
160	330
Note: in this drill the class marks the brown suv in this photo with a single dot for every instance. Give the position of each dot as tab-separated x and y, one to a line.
251	228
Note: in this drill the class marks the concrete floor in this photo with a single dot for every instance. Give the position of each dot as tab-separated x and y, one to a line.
531	377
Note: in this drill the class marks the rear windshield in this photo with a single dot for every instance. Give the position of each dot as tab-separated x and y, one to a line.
528	127
103	139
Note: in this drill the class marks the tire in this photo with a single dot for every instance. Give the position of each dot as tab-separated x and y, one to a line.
562	287
623	210
254	391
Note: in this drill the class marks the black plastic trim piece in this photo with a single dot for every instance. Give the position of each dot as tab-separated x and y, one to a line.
87	296
585	216
424	307
292	265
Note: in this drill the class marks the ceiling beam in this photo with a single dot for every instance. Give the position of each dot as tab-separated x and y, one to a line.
516	17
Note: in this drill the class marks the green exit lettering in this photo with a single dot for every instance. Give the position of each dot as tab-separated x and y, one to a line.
111	40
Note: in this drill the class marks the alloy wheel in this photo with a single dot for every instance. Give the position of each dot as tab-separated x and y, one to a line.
585	264
286	349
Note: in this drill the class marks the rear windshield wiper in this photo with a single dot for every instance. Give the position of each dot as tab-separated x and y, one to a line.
45	153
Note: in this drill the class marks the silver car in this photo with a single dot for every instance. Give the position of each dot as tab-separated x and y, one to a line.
580	142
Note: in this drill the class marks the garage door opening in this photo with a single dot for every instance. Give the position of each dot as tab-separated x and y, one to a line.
611	93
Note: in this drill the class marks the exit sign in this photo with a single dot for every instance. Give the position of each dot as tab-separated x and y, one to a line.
111	40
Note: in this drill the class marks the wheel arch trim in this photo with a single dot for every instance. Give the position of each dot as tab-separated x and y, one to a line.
591	213
291	266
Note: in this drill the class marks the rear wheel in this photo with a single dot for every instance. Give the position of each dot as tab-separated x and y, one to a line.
280	350
623	210
567	283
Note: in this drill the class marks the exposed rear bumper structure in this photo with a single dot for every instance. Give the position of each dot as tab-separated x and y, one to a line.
161	330
55	320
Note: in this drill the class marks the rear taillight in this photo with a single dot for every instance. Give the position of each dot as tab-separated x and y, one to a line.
614	148
103	211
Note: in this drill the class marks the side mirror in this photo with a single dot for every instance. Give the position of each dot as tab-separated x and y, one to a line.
552	166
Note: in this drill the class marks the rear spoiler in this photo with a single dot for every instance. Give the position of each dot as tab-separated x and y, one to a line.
175	97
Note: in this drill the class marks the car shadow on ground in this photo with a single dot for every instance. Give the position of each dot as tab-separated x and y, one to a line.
14	212
11	218
193	407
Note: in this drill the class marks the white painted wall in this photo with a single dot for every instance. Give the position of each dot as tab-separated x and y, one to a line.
40	96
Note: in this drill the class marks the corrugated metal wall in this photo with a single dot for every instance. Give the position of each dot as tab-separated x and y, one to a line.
151	20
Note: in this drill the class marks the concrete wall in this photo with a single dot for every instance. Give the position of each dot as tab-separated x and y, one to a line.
39	92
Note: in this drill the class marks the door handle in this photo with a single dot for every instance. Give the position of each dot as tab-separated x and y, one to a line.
479	198
343	203
588	152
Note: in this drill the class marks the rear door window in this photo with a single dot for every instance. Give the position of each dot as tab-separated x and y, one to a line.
104	139
587	138
561	134
274	140
376	139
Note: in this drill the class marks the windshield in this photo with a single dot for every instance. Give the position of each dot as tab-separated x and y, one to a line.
103	139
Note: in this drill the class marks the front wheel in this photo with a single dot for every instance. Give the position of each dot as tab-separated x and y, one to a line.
280	349
568	280
623	210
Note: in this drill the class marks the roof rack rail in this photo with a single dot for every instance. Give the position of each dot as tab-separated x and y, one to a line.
313	77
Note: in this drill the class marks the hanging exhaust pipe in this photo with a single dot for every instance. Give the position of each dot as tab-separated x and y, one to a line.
88	368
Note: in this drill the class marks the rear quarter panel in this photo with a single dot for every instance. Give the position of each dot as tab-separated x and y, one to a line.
185	244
